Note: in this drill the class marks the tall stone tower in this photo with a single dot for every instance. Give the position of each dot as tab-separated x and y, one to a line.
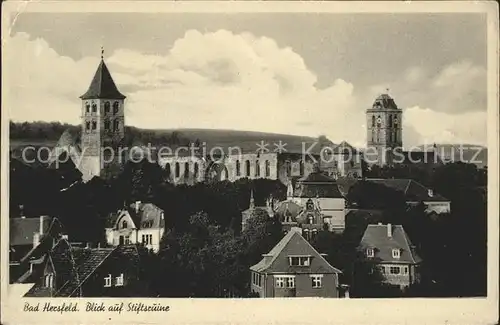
103	122
384	131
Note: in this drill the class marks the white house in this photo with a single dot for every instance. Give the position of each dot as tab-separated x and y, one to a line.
140	223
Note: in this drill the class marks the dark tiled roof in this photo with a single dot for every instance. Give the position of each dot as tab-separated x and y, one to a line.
317	184
316	177
287	207
384	101
276	261
376	236
412	190
102	85
22	230
147	216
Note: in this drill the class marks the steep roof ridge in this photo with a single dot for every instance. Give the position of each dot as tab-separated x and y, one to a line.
92	272
408	243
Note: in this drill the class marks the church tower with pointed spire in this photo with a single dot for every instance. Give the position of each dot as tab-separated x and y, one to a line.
103	121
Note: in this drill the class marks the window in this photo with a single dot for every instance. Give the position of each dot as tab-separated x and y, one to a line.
107	281
195	170
238	171
268	168
280	282
87	125
107	125
116	107
257	169
373	120
127	240
124	224
316	281
147	239
94	125
301	168
256	279
94	107
314	233
119	280
186	169
49	280
288	168
290	282
405	269
394	270
87	107
390	121
396	253
177	169
167	169
370	252
306	234
116	125
247	167
300	260
107	107
382	269
284	282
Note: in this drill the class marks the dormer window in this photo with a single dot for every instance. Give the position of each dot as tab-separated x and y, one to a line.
119	280
396	253
49	280
107	281
299	260
370	252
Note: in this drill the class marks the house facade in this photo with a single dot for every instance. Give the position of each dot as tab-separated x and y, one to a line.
90	272
140	223
293	268
389	248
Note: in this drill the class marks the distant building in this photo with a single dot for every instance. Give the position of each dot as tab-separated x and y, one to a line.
254	210
416	193
90	272
293	268
30	239
141	223
342	160
389	248
325	193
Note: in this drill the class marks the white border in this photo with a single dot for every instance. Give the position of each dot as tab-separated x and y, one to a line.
277	311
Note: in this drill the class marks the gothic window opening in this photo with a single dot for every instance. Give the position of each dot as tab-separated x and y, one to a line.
186	169
167	169
268	168
116	107
247	172
94	107
116	125
49	280
257	169
195	170
301	168
306	234
107	107
314	234
390	121
94	125
238	171
124	224
107	125
373	120
87	107
310	219
87	125
177	169
395	136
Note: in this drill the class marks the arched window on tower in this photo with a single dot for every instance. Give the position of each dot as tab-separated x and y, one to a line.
257	169
301	168
87	125
247	167
116	125
238	168
306	234
87	107
390	121
107	125
116	107
373	120
395	136
167	169
94	125
310	219
268	168
186	169
94	107
177	169
107	107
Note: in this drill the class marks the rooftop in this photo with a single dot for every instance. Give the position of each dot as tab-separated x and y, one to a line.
102	85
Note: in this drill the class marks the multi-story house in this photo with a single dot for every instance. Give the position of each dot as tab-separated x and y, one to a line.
90	272
389	248
140	223
293	268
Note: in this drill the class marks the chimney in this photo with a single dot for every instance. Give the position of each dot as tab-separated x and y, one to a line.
389	230
36	239
430	192
137	206
40	231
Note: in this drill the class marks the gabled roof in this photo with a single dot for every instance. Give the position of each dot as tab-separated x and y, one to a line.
289	208
317	184
102	85
376	237
22	230
276	261
413	190
147	216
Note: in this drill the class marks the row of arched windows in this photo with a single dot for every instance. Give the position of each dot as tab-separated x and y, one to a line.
309	234
289	168
267	168
177	169
92	125
107	107
393	120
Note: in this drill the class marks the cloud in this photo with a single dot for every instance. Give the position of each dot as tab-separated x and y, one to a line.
235	81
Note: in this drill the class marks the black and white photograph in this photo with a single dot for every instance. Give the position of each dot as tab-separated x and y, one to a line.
248	155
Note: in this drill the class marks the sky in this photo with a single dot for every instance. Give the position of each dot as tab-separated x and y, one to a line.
296	73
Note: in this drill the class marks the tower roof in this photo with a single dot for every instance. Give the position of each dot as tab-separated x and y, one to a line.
102	85
384	101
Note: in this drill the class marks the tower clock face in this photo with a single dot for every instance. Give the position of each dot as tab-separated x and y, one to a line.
379	120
